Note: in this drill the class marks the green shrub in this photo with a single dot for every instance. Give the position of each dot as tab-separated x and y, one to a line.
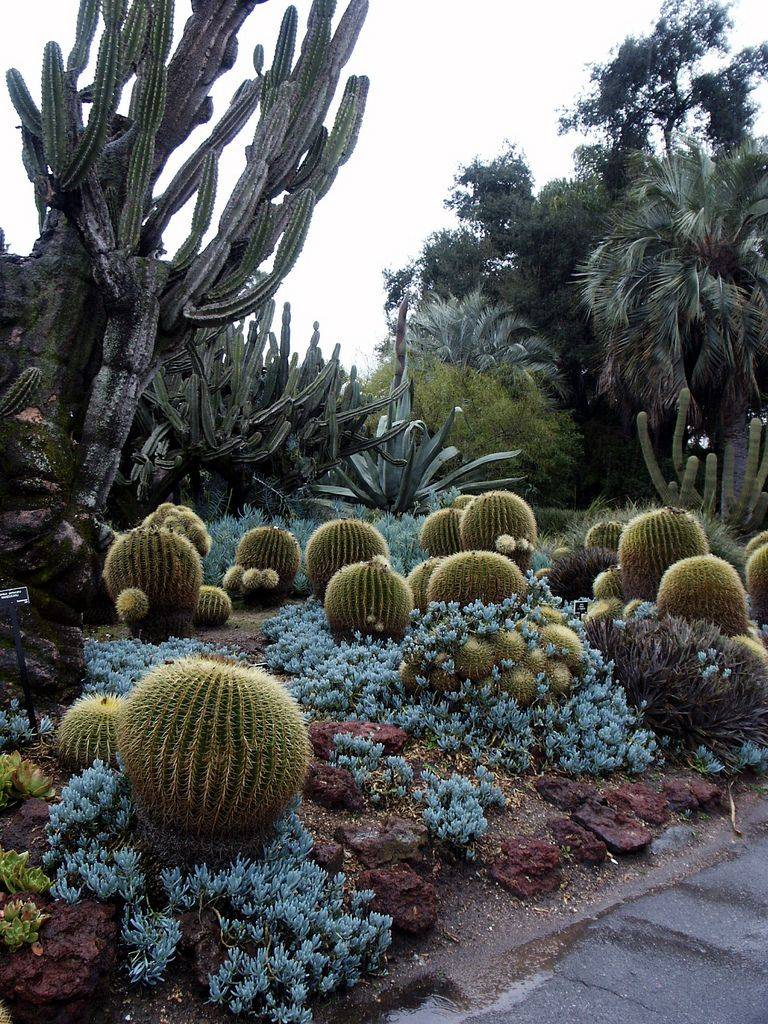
440	532
368	597
88	731
476	576
705	587
651	542
500	521
338	543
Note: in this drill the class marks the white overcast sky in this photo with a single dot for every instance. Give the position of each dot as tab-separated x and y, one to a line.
450	80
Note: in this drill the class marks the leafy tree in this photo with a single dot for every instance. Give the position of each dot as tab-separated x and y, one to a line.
678	289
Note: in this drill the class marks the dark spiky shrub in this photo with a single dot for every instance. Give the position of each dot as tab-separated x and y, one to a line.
338	543
695	686
652	542
419	578
573	575
705	587
440	532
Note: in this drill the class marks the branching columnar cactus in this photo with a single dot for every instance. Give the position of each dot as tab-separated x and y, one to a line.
212	750
440	532
604	534
88	731
20	392
705	587
419	578
338	543
154	577
653	541
369	597
757	583
609	585
181	519
500	521
266	562
476	576
213	607
573	574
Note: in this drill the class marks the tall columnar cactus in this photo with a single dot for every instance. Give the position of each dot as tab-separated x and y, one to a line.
604	534
214	607
212	750
476	576
440	532
419	578
500	521
88	731
338	543
154	577
757	583
20	392
181	519
369	597
266	562
651	542
705	587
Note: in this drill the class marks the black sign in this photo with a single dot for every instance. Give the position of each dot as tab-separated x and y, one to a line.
581	607
13	596
10	599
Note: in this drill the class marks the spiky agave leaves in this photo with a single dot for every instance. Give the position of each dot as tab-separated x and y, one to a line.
88	731
500	514
605	534
338	543
757	582
369	597
651	542
471	576
573	575
419	578
181	519
212	750
214	607
439	533
266	562
705	587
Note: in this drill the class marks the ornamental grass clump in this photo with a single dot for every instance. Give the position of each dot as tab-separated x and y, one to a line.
500	521
214	607
705	587
154	578
267	560
419	578
440	532
573	575
338	543
212	750
757	583
88	731
181	519
471	576
368	597
653	541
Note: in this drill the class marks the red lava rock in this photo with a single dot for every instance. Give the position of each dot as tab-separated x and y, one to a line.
527	867
565	794
329	856
321	736
582	844
201	943
79	943
621	832
333	787
24	830
638	799
692	795
376	843
708	795
398	891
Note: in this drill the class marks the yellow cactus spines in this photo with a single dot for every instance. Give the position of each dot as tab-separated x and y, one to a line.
535	661
338	543
608	584
705	587
605	534
509	645
166	568
610	608
474	659
440	532
419	578
259	582
560	552
547	613
183	520
369	597
213	607
757	583
233	580
753	645
476	576
212	750
653	541
5	1015
88	731
266	562
462	501
757	541
567	643
496	514
541	574
520	683
631	607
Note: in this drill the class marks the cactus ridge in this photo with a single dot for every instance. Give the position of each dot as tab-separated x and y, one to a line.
705	587
653	541
476	576
419	578
439	533
18	394
88	731
214	607
496	514
212	749
338	543
369	597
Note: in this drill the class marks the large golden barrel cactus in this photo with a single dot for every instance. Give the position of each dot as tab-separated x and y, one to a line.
369	597
338	543
705	587
419	578
212	749
439	533
500	521
605	534
608	584
181	519
476	576
653	541
154	577
88	731
213	607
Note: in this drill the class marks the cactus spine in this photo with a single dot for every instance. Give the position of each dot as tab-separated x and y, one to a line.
88	731
476	576
17	396
212	749
214	607
440	532
651	542
369	597
495	515
419	578
338	543
705	587
757	583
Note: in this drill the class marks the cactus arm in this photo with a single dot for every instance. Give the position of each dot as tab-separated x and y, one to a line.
283	60
255	252
689	498
760	478
87	20
54	109
651	462
754	443
201	218
258	59
710	484
133	38
726	485
678	458
25	106
757	516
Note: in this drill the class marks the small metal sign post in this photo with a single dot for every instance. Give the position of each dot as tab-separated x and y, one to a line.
581	607
10	599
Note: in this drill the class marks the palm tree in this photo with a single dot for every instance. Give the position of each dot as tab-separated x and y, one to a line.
475	333
678	290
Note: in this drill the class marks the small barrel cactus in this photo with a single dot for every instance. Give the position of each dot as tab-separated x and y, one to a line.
369	597
509	645
631	607
604	534
519	682
495	515
462	501
266	562
212	749
757	542
754	645
609	608
705	587
653	541
608	584
154	577
88	731
474	659
181	519
440	532
213	607
419	578
338	543
566	643
757	583
476	576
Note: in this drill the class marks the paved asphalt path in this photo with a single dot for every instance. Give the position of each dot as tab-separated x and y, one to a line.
696	953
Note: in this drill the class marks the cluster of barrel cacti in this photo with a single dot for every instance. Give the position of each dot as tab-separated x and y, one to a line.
266	562
499	521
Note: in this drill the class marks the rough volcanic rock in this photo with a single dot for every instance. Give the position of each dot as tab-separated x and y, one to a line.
582	845
376	843
565	794
621	832
24	830
201	944
79	946
636	798
410	901
333	787
672	839
527	867
692	795
329	856
321	736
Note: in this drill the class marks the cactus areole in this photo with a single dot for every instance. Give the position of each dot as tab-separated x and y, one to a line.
99	306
